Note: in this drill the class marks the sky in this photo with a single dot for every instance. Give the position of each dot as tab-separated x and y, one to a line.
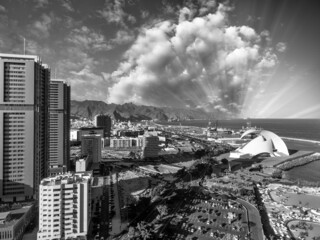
236	58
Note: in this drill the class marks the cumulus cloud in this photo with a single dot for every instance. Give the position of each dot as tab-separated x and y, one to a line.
41	28
86	84
144	14
281	47
88	39
113	13
122	37
41	3
194	62
66	4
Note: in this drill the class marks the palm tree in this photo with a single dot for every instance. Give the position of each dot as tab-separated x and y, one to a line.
143	231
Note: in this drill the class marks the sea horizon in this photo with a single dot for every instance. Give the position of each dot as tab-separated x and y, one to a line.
295	128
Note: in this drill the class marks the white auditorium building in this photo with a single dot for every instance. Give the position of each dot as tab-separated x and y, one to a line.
264	142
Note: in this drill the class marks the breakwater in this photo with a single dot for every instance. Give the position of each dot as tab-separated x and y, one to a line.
298	161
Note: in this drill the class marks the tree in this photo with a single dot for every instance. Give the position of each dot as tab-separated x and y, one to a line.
163	210
225	161
131	233
143	231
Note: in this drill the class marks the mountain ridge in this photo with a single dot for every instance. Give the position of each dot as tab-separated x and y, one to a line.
130	111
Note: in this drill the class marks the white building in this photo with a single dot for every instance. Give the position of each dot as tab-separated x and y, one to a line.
74	134
264	142
64	206
126	142
81	165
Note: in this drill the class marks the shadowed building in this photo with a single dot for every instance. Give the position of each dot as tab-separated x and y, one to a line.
24	83
91	147
103	121
150	147
59	126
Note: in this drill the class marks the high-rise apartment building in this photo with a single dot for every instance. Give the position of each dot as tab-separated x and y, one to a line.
59	126
24	82
65	207
91	147
105	122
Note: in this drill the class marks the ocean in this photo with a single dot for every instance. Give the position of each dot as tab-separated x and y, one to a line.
308	129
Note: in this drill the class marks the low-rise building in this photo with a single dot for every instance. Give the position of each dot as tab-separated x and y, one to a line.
126	142
81	165
13	223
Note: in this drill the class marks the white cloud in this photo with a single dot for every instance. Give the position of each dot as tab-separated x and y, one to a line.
144	14
113	13
88	39
123	37
67	5
41	3
201	60
185	14
281	47
2	9
41	28
86	85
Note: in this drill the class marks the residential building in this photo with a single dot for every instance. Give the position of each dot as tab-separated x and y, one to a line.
130	133
65	207
150	148
90	131
125	142
74	134
24	84
103	121
91	147
59	127
82	165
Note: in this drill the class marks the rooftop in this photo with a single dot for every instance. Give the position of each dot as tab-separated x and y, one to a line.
15	216
20	57
67	178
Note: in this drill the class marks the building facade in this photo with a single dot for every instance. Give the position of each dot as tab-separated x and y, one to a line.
150	148
126	142
59	127
105	122
24	83
89	131
14	223
64	207
91	147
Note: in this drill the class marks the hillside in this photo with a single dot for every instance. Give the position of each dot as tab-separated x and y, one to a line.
132	112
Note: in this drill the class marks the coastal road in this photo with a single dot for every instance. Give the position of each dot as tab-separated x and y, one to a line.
253	217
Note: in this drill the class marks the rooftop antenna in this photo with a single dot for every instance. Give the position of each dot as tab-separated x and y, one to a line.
24	46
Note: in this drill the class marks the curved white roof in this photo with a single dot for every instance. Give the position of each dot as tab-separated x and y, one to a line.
266	142
250	131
